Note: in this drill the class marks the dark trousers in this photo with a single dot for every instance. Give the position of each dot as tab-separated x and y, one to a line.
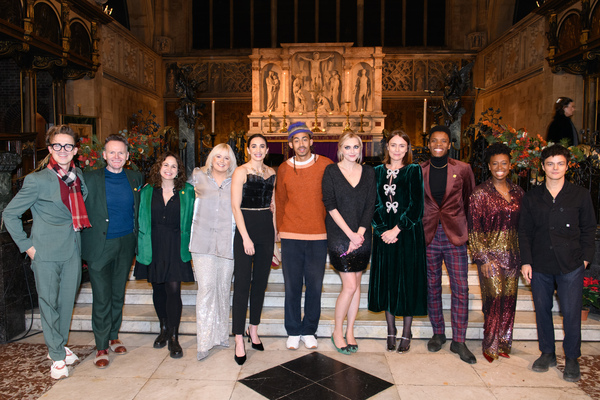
303	264
569	288
251	273
108	276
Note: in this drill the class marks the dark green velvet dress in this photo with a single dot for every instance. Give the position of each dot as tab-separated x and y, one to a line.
398	281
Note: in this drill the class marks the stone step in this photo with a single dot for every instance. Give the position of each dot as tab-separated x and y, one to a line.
142	318
140	292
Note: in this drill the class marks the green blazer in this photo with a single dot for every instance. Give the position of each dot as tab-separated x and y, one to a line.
186	198
93	239
52	233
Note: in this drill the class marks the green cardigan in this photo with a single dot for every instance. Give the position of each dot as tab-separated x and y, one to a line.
186	198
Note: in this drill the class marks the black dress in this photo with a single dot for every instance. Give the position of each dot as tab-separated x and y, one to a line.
356	205
166	265
562	127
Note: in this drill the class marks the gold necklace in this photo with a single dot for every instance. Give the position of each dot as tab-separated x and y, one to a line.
442	167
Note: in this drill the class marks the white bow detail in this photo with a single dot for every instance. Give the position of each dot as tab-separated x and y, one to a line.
389	189
392	206
394	173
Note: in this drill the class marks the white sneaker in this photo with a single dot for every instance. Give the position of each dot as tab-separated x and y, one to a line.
70	357
293	342
310	342
59	370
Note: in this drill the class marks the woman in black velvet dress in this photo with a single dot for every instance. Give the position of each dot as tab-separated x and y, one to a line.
251	193
562	126
349	198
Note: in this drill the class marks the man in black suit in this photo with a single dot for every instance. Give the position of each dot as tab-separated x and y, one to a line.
109	246
556	238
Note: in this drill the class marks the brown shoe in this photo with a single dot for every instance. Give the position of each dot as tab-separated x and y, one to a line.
117	347
101	360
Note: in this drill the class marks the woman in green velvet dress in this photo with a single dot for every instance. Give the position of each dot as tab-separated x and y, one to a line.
398	281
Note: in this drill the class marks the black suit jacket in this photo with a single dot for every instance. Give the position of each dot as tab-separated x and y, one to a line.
93	239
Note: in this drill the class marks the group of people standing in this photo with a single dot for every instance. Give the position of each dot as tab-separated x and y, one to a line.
405	219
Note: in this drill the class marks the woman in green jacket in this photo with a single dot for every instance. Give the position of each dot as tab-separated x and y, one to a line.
163	258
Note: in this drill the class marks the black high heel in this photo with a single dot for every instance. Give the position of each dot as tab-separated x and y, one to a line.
239	360
391	342
255	346
404	349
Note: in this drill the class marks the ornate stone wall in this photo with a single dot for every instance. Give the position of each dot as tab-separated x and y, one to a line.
129	79
515	77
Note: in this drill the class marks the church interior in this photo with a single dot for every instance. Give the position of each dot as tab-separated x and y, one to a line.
197	73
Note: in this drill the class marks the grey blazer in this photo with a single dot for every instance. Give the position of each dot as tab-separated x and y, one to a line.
52	233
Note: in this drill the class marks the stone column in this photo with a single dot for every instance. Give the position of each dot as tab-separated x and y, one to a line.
28	111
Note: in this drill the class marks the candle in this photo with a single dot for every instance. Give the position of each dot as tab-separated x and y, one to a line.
348	87
213	116
284	86
424	115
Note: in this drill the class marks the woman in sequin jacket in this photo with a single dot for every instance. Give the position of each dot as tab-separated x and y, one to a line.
494	209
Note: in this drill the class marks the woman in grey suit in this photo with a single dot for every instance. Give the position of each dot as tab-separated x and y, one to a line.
55	196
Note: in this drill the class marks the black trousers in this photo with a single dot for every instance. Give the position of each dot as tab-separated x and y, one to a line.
251	273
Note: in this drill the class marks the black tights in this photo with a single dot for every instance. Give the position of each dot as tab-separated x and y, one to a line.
391	325
167	302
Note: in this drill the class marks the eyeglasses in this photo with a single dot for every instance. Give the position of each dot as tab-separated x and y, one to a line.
59	147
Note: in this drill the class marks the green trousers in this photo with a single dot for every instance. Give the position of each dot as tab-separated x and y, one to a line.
57	283
108	275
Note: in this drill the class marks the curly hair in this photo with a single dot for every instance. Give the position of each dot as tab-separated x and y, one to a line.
494	149
408	157
154	177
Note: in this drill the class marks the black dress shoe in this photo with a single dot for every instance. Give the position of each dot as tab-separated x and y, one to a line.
163	336
572	373
464	353
436	342
174	348
545	361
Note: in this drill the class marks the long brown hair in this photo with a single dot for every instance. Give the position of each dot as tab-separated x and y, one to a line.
154	177
408	157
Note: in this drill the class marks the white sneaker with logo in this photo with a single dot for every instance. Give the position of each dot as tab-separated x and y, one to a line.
293	342
310	342
59	370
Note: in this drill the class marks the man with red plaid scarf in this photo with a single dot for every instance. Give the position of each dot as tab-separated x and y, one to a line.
55	195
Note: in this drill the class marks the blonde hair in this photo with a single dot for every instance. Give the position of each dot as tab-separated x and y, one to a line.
345	137
217	149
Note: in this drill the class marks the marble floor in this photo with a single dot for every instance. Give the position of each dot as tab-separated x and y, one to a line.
148	373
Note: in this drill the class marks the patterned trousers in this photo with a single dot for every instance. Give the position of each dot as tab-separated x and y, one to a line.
455	259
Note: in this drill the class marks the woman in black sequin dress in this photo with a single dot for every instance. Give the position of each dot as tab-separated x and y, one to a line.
251	194
349	194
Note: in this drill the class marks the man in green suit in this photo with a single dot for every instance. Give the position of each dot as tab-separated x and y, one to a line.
109	246
55	196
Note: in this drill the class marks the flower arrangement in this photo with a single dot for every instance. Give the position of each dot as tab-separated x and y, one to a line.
591	293
526	149
144	139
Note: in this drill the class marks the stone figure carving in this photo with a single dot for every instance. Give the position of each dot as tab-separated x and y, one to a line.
272	81
334	82
456	84
299	99
315	68
362	90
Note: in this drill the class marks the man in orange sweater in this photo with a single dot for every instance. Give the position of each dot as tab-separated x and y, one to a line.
301	223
